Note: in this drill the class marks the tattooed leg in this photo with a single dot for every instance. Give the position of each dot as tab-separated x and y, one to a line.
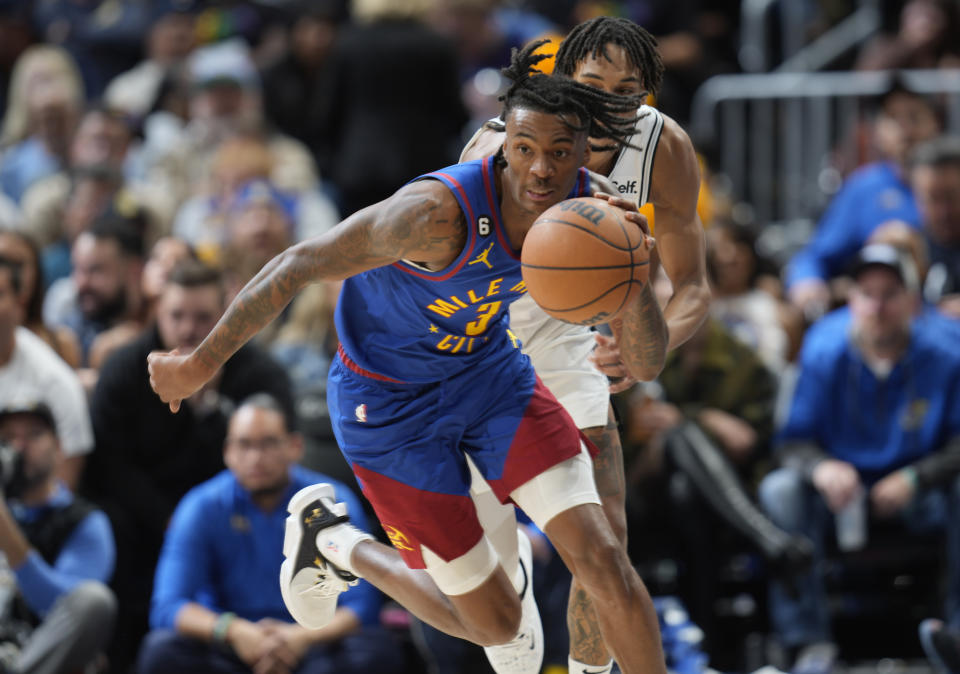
586	643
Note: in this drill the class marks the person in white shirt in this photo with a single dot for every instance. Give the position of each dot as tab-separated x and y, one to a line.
32	371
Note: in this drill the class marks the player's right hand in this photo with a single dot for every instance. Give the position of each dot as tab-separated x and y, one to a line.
174	377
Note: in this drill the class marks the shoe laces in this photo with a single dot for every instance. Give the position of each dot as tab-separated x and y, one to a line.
325	586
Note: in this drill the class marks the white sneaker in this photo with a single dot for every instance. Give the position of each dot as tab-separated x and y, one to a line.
524	654
309	583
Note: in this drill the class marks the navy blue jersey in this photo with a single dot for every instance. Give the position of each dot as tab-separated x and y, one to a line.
408	324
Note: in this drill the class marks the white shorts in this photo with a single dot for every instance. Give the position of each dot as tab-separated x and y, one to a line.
566	485
559	353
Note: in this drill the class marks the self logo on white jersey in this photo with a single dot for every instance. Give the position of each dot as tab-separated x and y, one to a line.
626	187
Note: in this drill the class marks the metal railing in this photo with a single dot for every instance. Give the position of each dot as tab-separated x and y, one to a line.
776	136
773	35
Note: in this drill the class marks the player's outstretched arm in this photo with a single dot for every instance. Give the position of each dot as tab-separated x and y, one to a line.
680	240
421	222
640	334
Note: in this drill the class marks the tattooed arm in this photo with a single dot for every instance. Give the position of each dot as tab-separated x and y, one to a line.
638	347
642	334
421	222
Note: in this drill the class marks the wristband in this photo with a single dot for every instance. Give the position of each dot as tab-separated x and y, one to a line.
221	625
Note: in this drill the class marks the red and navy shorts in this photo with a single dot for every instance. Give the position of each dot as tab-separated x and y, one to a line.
407	445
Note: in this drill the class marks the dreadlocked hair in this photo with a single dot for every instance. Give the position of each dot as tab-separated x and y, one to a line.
582	108
591	38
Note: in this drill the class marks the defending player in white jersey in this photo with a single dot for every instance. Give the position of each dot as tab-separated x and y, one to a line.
616	56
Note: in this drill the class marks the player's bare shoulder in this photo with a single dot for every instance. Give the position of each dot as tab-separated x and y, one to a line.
424	220
675	182
485	141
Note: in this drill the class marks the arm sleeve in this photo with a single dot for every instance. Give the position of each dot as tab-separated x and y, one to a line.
88	554
184	563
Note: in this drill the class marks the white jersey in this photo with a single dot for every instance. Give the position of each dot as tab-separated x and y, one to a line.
559	350
34	374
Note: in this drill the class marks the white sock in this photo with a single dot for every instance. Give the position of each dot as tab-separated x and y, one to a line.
580	668
336	544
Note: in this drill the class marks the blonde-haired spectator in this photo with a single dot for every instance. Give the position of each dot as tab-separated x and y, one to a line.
43	107
203	220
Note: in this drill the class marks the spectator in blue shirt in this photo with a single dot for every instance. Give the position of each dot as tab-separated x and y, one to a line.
216	601
872	195
935	176
56	551
876	411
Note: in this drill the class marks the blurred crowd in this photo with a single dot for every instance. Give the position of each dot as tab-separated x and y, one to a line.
154	154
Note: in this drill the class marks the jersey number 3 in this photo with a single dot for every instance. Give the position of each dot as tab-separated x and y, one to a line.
484	313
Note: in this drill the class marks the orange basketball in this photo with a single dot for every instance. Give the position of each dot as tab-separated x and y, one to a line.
583	261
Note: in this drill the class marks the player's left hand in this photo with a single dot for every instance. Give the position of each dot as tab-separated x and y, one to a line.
632	213
174	377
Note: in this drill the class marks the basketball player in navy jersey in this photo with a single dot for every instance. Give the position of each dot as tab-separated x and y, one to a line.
658	166
428	374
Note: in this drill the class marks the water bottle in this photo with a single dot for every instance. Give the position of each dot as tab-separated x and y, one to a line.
851	523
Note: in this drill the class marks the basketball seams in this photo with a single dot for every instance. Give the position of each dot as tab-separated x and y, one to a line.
595	299
561	244
589	231
629	265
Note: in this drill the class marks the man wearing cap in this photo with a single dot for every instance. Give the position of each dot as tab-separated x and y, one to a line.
57	553
876	411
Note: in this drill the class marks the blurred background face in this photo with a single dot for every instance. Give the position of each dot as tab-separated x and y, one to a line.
100	274
88	199
923	23
14	248
311	39
100	139
186	315
937	190
881	306
904	121
731	262
260	231
171	38
51	109
37	444
164	256
259	451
